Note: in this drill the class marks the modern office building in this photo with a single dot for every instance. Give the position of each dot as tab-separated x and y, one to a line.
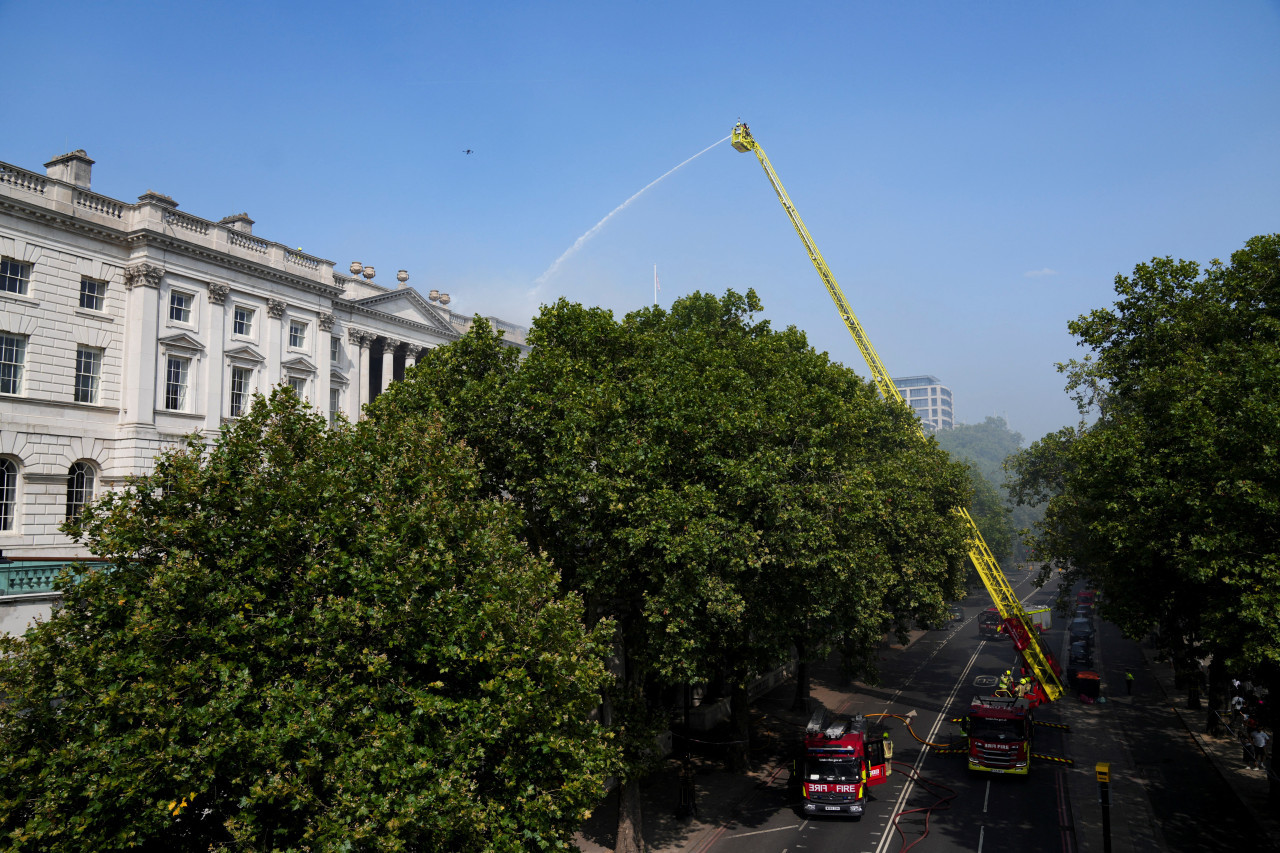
929	398
126	326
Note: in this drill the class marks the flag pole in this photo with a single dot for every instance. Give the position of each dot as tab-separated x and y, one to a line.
656	287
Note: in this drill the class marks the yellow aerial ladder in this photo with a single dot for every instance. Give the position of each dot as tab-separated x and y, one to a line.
1024	633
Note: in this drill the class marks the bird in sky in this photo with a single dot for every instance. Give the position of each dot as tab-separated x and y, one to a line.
468	151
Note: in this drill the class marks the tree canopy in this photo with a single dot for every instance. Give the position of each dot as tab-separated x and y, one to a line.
304	638
1170	499
987	446
718	488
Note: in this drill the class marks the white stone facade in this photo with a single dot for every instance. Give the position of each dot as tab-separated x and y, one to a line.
124	327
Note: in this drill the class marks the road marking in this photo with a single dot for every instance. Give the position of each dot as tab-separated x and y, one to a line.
986	796
982	830
763	831
924	748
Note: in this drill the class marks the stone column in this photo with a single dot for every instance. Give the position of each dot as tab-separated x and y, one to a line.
363	339
388	361
411	354
142	321
217	341
323	362
274	344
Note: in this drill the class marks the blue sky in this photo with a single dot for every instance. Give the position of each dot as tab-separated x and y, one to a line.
975	174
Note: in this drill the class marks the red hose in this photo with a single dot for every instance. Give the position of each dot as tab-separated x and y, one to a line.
942	803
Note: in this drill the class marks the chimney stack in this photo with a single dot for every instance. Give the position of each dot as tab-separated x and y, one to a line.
73	168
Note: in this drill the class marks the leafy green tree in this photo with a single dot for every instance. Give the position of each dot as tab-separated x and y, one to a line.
716	487
991	515
1170	499
987	446
304	638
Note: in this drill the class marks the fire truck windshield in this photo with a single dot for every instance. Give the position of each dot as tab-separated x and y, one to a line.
985	728
831	769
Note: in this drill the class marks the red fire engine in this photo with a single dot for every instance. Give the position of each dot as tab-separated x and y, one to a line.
842	760
999	733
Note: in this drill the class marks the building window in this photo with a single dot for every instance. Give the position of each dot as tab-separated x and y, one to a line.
299	386
919	392
88	370
180	306
13	353
79	488
14	276
92	294
8	493
335	351
335	404
297	334
241	377
243	322
176	376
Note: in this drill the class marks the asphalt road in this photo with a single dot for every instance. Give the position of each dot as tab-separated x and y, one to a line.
941	805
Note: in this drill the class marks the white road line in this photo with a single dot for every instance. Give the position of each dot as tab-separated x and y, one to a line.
986	796
981	832
924	748
764	831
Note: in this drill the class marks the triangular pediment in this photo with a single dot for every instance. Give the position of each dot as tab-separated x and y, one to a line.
337	377
243	353
182	340
406	304
300	363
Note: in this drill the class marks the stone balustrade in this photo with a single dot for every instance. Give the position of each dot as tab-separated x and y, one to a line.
22	179
155	212
99	204
28	577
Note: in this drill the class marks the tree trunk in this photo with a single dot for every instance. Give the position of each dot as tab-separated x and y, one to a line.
801	700
630	839
739	715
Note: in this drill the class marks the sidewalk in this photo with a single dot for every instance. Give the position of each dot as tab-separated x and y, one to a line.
722	797
1252	787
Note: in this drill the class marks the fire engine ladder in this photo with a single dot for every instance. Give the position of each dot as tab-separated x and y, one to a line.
1024	634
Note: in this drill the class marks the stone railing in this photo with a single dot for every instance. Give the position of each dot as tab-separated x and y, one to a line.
186	222
156	213
22	179
27	578
300	259
247	241
99	204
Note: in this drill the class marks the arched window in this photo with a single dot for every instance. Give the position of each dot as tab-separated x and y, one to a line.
79	488
8	493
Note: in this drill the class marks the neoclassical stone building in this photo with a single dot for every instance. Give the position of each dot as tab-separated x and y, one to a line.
124	327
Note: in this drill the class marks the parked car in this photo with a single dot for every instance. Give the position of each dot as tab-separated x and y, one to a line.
1081	654
1081	629
954	615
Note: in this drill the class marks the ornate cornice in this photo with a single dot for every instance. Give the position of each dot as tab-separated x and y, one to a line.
142	275
218	292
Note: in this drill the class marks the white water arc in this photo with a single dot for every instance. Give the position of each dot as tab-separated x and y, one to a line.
577	244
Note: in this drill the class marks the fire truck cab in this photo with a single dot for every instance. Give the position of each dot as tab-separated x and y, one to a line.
990	624
999	732
842	759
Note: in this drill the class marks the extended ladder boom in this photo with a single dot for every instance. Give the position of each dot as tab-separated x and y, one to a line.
1023	633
